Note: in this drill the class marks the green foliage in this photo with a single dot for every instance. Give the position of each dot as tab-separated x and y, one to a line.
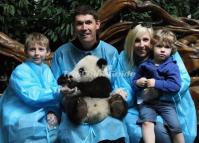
180	8
54	17
51	17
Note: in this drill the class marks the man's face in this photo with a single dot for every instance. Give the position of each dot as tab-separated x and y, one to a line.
86	28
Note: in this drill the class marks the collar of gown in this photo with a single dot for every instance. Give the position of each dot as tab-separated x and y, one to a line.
36	67
77	44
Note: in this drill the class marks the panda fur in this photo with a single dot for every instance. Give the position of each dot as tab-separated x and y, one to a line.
92	102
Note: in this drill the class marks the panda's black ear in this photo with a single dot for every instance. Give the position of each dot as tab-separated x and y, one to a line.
101	63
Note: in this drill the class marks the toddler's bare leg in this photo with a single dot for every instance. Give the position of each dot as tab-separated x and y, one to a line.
178	138
148	132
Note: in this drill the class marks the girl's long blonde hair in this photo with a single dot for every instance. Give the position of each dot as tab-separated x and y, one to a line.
134	33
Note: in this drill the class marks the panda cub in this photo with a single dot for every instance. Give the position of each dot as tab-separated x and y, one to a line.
91	102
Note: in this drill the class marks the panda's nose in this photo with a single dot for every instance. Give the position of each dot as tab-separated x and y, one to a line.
70	77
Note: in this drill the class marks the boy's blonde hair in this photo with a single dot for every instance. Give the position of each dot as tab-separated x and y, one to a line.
134	33
165	37
38	38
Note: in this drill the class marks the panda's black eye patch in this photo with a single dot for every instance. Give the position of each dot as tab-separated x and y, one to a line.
82	71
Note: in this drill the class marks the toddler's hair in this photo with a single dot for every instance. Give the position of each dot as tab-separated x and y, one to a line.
165	37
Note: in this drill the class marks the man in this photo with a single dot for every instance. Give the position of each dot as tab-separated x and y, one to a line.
86	25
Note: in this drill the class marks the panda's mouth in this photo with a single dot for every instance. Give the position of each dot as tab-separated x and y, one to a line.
71	84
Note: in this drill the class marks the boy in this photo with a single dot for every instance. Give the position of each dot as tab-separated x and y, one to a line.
32	93
159	75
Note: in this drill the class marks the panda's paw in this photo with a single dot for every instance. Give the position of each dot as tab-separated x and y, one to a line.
150	93
77	110
76	92
118	106
62	80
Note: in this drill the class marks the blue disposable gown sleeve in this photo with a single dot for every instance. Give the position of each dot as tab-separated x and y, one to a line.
124	78
55	67
185	78
112	67
185	107
30	90
1	127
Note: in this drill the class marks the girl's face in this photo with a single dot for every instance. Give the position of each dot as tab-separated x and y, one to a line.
142	46
36	53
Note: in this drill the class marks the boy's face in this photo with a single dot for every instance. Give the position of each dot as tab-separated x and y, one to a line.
36	53
161	52
86	29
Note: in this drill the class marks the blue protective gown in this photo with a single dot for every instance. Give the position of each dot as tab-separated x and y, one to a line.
31	93
184	104
64	60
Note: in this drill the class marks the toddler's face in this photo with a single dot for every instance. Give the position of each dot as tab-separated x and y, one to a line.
36	53
161	52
